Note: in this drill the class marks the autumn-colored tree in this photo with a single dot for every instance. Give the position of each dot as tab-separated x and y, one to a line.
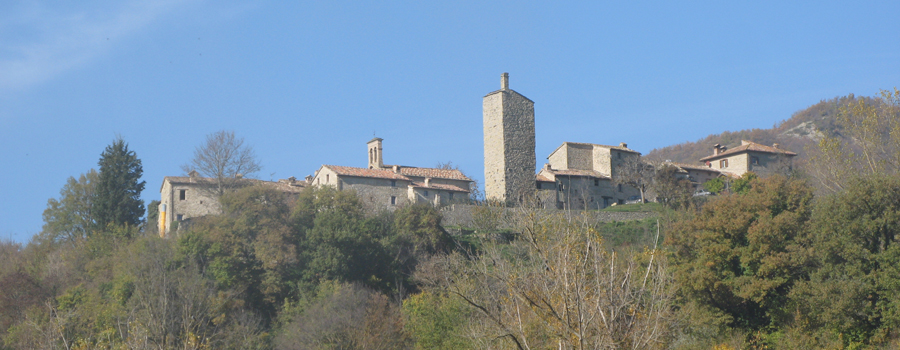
873	125
740	256
557	286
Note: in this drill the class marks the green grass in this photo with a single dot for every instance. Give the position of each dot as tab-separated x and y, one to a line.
637	207
629	234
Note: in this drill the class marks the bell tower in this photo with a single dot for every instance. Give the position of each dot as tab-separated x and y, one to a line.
375	159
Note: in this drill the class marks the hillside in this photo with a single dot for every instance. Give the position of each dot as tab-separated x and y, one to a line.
802	128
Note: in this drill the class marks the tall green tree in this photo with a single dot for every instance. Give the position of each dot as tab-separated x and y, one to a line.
117	198
853	289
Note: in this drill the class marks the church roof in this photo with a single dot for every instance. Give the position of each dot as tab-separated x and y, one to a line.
405	173
451	174
366	172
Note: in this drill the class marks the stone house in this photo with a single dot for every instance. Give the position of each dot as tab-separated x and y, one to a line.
696	174
749	156
388	186
186	197
580	176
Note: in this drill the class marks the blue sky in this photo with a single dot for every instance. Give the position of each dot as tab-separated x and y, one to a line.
309	83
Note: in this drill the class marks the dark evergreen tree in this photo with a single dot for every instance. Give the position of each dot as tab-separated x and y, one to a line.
118	193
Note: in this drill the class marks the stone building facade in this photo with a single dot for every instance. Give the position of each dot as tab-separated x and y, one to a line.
509	146
386	187
580	176
186	197
749	156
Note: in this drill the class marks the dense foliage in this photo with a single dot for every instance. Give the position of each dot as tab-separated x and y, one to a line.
117	197
770	262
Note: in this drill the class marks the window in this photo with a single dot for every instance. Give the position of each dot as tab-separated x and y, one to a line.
426	193
451	196
620	187
754	160
538	184
182	194
596	182
393	200
619	155
723	163
327	176
179	217
393	183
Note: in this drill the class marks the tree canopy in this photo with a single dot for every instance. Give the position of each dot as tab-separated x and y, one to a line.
117	198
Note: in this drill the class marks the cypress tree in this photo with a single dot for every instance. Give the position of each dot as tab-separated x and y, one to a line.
118	192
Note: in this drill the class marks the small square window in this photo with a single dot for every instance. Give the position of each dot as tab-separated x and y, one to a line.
182	194
754	160
426	193
179	217
393	183
596	182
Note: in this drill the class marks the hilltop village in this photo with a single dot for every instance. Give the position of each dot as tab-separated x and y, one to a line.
577	175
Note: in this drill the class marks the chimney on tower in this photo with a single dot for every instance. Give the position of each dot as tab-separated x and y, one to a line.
504	81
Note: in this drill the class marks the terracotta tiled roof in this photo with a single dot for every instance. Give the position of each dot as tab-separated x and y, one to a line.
542	178
576	172
749	146
434	173
365	172
695	167
440	187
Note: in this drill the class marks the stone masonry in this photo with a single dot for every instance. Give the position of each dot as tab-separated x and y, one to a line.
509	146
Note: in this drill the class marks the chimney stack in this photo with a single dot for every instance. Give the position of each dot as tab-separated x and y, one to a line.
504	81
775	145
623	145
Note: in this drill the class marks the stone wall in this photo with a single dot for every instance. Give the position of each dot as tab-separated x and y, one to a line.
579	156
602	161
463	215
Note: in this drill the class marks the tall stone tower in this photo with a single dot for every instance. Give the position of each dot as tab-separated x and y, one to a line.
509	161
